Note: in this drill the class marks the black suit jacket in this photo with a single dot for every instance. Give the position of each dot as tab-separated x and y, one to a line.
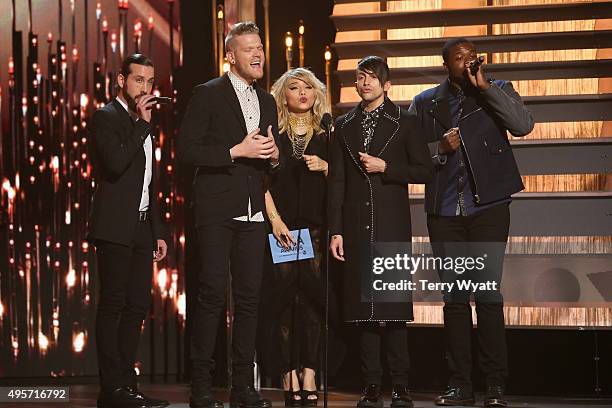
214	123
119	165
366	208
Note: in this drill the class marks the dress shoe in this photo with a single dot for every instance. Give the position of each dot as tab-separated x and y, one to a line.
125	397
371	397
455	396
495	397
400	397
246	396
151	402
201	397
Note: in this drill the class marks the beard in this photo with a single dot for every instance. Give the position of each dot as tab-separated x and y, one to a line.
131	102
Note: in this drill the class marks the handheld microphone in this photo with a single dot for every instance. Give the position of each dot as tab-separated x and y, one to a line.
475	65
326	121
163	100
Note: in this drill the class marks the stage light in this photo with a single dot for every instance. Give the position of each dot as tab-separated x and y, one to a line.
288	49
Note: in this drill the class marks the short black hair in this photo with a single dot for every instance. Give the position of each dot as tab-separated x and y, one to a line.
450	44
373	64
138	59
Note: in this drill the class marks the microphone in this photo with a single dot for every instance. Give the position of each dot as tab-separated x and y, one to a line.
475	65
163	100
326	121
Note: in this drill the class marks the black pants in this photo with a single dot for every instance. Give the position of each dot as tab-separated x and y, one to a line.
488	225
240	246
395	338
125	298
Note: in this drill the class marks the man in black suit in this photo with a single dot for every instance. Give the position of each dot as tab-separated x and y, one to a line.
377	150
228	133
466	119
125	227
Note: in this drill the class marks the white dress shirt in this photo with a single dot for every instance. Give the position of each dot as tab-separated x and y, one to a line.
249	104
148	173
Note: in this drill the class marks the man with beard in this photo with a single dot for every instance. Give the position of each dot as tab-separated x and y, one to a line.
125	228
376	151
466	119
228	133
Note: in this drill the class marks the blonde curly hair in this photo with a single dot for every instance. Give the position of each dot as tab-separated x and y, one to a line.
319	108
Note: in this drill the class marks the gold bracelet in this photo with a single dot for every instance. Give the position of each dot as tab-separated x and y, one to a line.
273	215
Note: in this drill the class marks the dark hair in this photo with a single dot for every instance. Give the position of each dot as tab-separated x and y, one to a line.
138	59
375	65
450	44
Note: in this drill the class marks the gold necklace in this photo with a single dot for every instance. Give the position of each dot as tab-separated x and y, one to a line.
300	132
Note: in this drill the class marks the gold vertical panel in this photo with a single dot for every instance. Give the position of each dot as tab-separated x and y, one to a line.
563	182
414	34
407	92
350	36
356	8
565	130
518	316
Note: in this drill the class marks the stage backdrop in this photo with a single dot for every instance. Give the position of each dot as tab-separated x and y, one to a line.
59	61
557	55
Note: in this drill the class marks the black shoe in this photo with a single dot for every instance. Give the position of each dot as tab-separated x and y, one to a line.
201	397
310	402
371	397
400	397
124	397
293	398
151	402
245	396
455	396
495	397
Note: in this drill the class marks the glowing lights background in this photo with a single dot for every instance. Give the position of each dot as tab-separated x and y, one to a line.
59	60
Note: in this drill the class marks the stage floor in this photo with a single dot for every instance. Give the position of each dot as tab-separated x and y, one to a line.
84	396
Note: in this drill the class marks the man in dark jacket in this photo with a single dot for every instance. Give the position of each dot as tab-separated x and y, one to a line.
229	134
125	227
465	120
376	152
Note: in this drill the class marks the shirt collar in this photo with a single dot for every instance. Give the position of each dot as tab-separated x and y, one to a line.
238	83
123	104
373	112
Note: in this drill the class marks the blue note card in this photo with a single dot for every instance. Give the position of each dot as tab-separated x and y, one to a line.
301	250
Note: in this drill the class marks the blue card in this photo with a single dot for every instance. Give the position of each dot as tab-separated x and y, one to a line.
302	250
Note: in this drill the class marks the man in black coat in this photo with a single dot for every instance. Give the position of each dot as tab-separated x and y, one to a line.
376	152
228	133
125	227
465	120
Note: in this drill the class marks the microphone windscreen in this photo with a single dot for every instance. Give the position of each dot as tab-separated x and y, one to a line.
326	121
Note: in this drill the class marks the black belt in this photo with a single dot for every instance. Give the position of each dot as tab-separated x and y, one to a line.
144	216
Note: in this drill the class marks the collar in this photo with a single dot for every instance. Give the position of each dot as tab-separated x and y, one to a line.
238	83
123	104
132	115
375	111
453	90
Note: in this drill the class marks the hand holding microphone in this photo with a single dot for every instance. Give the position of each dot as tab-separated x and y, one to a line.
475	73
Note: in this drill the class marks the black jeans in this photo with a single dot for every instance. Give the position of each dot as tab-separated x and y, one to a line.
125	298
395	337
240	246
488	225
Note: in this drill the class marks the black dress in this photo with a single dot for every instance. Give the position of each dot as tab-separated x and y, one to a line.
292	315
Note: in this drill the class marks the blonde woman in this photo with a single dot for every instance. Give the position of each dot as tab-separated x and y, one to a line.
296	200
